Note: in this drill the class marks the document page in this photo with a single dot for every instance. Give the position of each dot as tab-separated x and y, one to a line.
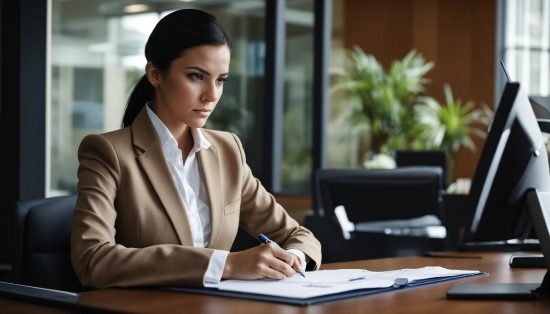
325	282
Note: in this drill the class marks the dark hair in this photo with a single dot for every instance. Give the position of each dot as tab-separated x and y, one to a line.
171	37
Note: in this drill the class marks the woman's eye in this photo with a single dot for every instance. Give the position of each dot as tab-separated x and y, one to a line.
222	80
196	76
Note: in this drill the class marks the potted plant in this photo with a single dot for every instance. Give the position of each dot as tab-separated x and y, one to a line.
383	98
448	127
399	113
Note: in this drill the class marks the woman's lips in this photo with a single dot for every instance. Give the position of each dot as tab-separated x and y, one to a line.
203	112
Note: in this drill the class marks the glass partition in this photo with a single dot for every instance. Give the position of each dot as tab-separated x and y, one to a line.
298	89
347	143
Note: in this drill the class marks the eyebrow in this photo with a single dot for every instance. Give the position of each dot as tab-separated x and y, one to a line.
203	71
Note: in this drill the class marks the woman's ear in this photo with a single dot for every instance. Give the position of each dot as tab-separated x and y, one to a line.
153	74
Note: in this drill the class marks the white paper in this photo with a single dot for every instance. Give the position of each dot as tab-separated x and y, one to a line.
325	282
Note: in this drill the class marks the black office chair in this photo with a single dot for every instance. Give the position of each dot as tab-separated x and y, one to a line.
371	196
42	252
42	243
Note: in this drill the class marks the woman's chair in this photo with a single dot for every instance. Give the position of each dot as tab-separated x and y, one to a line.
42	249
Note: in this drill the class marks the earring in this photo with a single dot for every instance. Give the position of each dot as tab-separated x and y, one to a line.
157	85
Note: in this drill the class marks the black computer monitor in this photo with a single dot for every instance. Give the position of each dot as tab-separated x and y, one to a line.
513	162
510	190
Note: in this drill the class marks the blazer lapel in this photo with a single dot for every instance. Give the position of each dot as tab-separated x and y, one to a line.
155	166
209	165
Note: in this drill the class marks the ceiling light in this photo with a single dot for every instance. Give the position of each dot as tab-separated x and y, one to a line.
135	8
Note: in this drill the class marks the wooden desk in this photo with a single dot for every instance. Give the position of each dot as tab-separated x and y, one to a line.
427	299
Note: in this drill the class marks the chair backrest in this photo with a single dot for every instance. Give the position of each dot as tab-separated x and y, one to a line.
42	244
371	195
405	158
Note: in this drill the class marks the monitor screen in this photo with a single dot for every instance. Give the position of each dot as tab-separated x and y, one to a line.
513	162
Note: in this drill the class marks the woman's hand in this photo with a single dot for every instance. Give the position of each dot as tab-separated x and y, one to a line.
263	261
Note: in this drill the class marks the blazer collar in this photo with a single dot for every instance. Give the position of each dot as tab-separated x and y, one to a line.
154	164
144	135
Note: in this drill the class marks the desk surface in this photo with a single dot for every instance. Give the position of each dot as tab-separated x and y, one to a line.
426	299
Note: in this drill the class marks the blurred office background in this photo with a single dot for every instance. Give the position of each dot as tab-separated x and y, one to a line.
97	56
93	55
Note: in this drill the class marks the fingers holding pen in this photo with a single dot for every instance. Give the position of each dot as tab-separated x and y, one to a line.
296	264
290	259
294	260
263	261
285	261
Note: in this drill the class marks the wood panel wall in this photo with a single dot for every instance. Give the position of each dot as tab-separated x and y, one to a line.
458	36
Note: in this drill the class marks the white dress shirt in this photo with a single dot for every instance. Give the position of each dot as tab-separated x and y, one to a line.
194	194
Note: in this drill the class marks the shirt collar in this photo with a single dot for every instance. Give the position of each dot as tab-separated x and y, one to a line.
167	139
199	139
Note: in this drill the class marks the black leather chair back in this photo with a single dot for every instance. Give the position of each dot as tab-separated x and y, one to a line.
374	195
381	194
42	244
438	158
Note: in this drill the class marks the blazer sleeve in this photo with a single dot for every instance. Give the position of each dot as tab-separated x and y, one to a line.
260	213
100	262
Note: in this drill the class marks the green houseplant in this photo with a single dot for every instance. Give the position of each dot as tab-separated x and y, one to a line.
383	98
449	126
399	112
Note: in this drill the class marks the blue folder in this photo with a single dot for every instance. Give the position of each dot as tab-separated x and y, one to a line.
318	299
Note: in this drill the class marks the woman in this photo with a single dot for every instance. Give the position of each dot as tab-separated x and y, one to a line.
160	201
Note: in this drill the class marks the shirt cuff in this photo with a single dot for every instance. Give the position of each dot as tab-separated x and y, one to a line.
300	255
214	271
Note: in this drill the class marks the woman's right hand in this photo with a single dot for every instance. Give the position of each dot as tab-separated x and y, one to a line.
262	261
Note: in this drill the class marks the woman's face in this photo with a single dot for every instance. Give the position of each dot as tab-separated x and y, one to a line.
190	90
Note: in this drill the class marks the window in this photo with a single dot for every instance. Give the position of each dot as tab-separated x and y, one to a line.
524	41
527	44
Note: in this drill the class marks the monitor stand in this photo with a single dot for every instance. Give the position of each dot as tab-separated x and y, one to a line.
539	205
527	260
501	291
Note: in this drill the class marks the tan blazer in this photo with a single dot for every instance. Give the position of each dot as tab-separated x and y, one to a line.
130	226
